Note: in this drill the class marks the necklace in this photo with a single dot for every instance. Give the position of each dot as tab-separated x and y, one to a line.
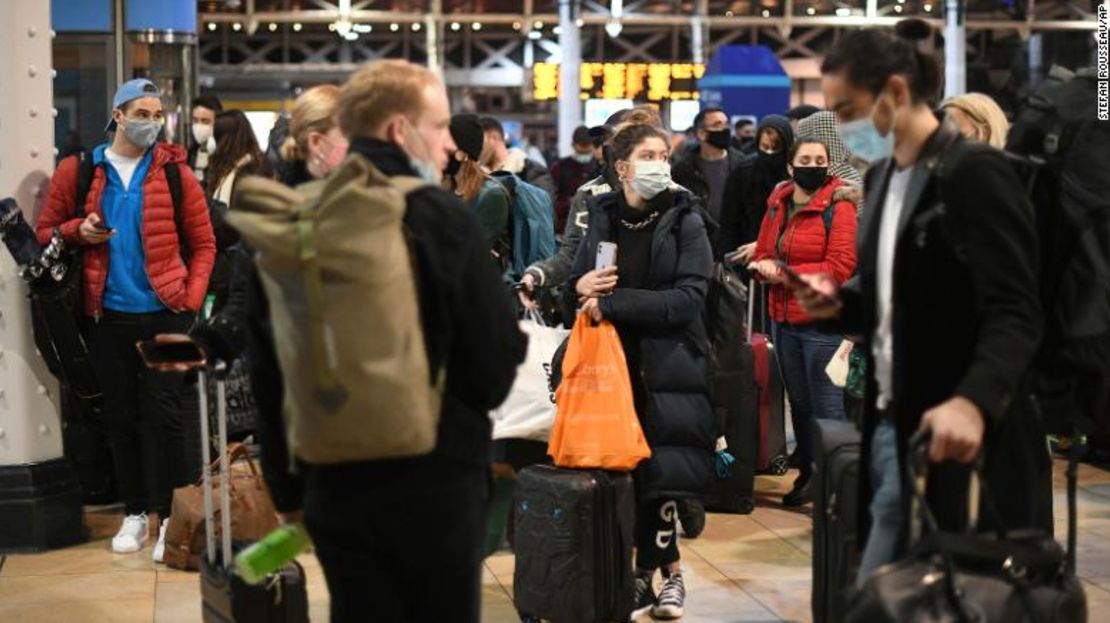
637	226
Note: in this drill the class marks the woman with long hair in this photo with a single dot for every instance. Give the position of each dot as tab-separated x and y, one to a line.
483	195
315	145
655	297
237	154
810	225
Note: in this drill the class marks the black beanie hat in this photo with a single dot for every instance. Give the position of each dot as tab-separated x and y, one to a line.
467	133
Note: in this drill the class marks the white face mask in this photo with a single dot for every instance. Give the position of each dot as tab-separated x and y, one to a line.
202	132
584	158
650	177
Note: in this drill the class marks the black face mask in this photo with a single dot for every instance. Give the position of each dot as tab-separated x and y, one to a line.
453	166
719	138
810	179
774	161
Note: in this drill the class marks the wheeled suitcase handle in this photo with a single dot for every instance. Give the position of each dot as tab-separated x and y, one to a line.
219	368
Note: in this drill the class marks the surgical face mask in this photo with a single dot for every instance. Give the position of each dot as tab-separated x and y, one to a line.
810	179
650	177
142	133
864	140
583	158
201	133
332	156
424	168
719	138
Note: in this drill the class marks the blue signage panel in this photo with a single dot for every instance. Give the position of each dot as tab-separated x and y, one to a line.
176	15
745	80
82	15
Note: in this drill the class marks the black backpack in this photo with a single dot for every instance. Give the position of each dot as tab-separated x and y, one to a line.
1060	148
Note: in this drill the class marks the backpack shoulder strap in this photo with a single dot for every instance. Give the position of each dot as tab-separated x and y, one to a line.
86	169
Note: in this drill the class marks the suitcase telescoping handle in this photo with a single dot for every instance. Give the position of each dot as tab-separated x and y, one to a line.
220	371
752	289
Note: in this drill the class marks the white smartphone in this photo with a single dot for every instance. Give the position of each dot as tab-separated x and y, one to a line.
606	255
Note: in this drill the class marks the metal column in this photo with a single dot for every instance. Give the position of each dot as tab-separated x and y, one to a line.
570	44
119	44
699	31
955	48
433	35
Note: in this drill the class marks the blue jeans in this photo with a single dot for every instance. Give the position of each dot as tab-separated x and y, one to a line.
887	514
803	354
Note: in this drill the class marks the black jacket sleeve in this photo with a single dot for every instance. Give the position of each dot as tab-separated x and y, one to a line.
487	344
677	306
1000	239
735	209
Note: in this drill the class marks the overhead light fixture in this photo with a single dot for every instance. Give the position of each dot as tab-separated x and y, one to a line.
811	11
579	22
897	8
538	25
273	27
237	27
394	27
616	8
455	26
729	14
362	28
416	27
297	27
476	26
844	12
351	36
516	25
928	8
558	30
614	28
766	13
211	26
535	35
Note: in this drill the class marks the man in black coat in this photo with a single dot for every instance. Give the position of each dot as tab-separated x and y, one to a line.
946	304
402	538
705	172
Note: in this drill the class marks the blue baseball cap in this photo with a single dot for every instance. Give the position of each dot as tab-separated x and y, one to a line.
132	90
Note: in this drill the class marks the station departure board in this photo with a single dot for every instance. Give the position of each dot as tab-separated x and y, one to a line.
641	82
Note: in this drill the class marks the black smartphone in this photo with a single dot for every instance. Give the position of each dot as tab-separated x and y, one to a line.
794	281
103	227
161	353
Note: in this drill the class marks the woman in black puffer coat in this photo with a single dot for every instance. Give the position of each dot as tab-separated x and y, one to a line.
655	298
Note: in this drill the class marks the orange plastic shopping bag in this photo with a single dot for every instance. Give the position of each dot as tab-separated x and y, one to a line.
595	420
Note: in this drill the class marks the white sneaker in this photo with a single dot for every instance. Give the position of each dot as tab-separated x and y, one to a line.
160	546
132	535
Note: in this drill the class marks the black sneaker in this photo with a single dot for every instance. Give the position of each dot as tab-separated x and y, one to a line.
801	494
644	595
672	598
691	513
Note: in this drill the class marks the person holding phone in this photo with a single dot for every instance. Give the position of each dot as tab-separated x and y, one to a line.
655	297
146	266
809	228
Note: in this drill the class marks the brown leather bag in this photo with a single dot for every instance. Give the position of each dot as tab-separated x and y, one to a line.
252	511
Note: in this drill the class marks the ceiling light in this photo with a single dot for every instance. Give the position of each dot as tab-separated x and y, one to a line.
928	8
297	27
844	12
516	25
766	13
579	22
897	8
476	26
811	11
351	36
363	28
416	27
535	35
394	27
273	27
211	26
728	13
455	26
537	25
331	27
614	28
237	27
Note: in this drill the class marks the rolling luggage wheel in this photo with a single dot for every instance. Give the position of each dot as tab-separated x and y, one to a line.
779	466
746	507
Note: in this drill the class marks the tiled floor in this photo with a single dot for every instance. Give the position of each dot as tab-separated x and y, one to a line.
753	568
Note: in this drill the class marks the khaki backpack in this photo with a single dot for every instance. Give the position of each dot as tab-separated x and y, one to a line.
337	270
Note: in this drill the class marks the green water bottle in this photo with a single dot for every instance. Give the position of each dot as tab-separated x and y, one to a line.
270	554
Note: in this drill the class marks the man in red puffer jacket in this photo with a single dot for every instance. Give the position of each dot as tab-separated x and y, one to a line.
810	224
136	284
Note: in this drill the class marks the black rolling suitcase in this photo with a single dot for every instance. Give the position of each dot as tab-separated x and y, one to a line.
734	493
835	551
226	598
574	538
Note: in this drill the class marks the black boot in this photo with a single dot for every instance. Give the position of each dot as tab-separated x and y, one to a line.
692	515
801	494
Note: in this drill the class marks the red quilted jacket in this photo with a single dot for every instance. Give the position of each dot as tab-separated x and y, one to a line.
807	246
180	288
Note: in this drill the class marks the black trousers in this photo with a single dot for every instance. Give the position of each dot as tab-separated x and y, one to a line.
400	541
656	535
142	408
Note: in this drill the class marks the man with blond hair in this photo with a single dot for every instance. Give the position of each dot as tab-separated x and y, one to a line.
401	540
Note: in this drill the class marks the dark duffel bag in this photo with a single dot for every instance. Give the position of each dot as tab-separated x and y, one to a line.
1006	577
